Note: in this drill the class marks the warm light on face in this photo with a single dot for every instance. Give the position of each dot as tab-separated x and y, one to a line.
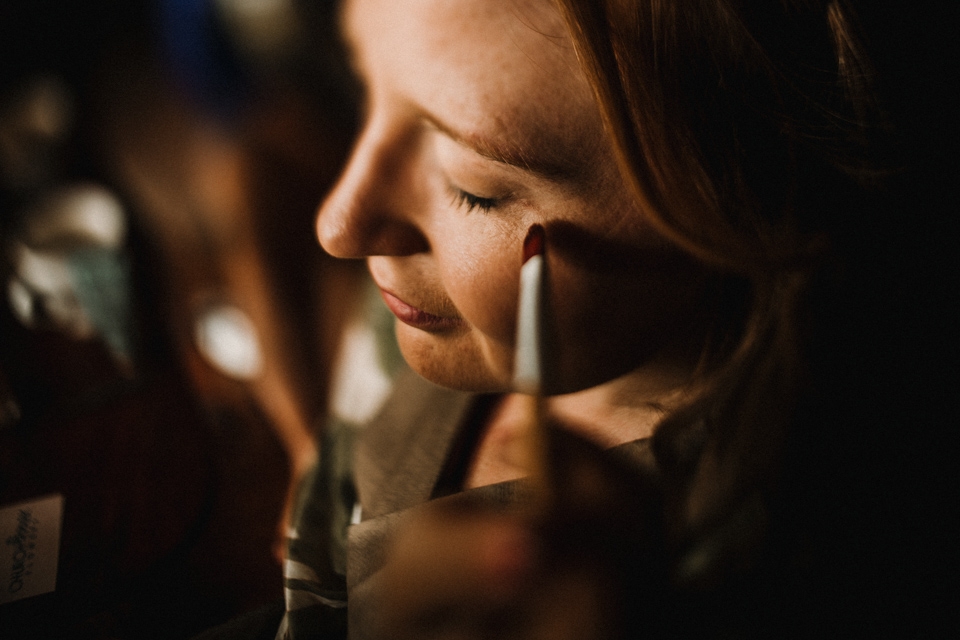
479	124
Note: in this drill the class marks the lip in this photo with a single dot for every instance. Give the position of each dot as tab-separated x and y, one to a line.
418	318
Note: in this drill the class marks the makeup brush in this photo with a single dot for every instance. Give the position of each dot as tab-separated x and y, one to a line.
528	372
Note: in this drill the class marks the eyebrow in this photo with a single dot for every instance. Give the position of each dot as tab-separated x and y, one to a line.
504	154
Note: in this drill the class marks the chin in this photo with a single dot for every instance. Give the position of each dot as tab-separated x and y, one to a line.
455	362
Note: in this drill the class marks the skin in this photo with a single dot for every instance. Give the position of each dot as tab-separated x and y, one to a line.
485	98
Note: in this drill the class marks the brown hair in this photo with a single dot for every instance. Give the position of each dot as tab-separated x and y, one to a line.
748	131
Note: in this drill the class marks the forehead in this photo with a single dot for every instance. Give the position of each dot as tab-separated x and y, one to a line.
501	69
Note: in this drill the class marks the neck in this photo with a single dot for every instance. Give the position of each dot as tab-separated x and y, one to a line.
622	410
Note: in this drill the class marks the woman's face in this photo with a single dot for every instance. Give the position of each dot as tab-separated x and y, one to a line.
479	124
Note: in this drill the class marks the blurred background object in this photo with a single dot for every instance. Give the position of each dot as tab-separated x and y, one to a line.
167	318
70	270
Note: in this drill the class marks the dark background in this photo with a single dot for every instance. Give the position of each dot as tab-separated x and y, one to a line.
174	475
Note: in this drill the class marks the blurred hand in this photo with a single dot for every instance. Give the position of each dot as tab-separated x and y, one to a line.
470	573
463	570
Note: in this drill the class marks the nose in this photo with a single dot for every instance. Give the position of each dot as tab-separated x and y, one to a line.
372	210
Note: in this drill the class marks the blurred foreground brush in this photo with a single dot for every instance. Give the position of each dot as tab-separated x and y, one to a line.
528	370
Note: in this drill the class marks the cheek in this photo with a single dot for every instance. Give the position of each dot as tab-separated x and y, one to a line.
636	310
613	311
481	276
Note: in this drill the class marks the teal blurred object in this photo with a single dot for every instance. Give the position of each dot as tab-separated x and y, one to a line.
71	270
102	285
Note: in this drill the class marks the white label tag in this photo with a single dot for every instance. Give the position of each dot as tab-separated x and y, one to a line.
29	547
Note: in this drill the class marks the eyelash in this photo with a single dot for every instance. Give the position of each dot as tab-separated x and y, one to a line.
471	202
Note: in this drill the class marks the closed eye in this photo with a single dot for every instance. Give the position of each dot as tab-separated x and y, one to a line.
472	202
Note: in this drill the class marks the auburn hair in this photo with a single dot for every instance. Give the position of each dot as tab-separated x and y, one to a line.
749	132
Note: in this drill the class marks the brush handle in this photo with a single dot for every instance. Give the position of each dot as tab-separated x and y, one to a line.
528	373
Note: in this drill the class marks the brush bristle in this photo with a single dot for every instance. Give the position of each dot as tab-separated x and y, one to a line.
533	243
